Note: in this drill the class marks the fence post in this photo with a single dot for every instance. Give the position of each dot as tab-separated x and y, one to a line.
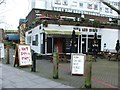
33	61
55	64
88	71
7	55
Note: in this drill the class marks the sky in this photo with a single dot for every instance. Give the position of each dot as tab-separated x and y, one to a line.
12	10
10	13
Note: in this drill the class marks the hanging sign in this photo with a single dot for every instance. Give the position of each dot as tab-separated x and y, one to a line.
77	63
23	55
2	54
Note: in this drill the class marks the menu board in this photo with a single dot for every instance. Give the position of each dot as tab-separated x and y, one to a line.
24	55
77	63
2	54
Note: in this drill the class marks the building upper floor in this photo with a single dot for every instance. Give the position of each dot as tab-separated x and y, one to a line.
90	7
38	16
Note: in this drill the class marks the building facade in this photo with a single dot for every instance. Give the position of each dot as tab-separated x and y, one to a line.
90	7
62	17
43	39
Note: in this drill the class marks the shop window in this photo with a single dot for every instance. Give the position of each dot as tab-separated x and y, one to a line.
35	40
83	36
93	30
28	39
84	30
91	36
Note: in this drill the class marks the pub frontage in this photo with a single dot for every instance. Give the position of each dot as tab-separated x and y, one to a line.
43	39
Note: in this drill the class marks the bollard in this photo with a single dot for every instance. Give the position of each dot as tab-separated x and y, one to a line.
55	65
8	61
88	71
33	69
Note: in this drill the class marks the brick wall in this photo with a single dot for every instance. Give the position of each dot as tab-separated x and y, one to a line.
101	19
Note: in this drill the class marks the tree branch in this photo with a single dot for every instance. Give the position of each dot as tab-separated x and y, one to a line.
1	1
112	7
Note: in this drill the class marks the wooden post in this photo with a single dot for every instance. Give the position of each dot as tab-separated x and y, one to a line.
55	64
8	61
0	55
88	71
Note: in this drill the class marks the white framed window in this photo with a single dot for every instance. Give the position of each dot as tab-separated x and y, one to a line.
81	4
107	10
89	6
110	10
58	2
74	3
65	2
100	8
95	7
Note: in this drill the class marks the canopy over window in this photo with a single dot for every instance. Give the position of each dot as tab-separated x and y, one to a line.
59	32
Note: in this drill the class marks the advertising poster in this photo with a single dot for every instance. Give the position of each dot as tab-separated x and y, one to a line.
77	64
24	55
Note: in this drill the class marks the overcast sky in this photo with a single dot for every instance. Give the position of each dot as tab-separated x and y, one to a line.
11	12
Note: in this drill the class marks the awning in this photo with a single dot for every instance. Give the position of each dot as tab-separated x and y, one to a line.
59	32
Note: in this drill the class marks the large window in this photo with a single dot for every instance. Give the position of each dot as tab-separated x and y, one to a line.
35	40
81	4
106	10
57	1
89	6
28	39
95	7
65	2
110	10
74	3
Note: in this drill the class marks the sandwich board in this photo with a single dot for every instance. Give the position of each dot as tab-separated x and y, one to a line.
77	64
23	55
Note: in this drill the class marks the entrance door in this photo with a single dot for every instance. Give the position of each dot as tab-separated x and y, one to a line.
59	43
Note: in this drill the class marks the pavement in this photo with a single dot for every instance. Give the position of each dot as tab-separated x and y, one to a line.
16	78
104	75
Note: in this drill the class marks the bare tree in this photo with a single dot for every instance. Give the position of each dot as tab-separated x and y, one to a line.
2	1
111	6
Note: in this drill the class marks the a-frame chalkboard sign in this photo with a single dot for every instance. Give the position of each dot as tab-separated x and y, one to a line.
23	55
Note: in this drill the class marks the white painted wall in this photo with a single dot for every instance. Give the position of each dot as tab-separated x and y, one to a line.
40	4
110	37
75	7
35	31
119	35
50	4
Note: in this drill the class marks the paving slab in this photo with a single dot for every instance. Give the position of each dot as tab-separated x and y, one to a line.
16	78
